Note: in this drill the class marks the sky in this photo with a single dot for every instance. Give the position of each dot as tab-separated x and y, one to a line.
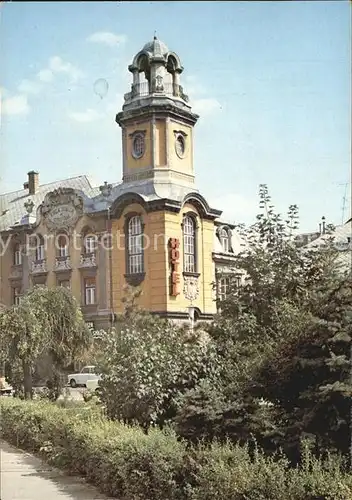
270	80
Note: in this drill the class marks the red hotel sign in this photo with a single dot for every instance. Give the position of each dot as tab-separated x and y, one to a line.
174	245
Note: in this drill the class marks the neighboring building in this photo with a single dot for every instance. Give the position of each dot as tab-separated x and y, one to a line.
341	236
154	229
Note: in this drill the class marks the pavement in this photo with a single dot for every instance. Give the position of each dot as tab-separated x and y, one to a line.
74	394
25	477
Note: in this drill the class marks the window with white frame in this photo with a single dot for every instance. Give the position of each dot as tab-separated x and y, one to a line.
224	237
17	255
135	245
189	244
89	291
90	243
16	296
223	287
40	251
62	245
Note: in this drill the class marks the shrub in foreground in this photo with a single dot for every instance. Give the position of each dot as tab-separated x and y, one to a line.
128	464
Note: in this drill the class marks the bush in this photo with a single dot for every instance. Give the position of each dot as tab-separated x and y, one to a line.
126	463
147	364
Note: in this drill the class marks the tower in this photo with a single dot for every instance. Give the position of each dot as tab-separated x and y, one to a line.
157	123
168	226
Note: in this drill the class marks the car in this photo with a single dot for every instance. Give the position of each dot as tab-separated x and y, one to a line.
93	384
5	388
81	378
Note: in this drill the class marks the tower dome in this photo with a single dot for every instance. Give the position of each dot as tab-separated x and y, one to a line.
156	72
156	47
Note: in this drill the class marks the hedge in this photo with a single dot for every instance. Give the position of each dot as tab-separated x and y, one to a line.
128	464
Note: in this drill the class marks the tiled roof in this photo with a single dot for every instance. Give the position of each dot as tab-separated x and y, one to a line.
342	236
12	204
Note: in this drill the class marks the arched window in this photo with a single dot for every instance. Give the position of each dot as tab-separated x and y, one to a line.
40	251
17	254
189	244
62	245
224	237
135	261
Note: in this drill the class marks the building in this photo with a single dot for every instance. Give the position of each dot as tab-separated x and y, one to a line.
154	229
341	238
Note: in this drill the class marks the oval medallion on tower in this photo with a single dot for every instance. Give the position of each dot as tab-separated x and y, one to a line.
138	146
180	146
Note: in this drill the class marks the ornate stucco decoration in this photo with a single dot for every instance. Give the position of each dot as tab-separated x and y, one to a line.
62	264
105	189
61	209
88	260
39	267
191	287
158	83
29	206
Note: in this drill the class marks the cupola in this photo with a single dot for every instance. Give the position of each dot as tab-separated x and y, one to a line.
156	72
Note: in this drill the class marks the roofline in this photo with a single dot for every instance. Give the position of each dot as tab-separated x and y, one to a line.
52	182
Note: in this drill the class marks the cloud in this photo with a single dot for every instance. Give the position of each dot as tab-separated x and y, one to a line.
90	115
57	65
15	105
29	87
46	75
107	38
206	106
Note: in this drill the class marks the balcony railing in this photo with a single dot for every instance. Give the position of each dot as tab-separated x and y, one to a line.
39	266
88	260
62	263
145	89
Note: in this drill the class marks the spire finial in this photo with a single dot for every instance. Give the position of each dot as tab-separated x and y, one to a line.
155	37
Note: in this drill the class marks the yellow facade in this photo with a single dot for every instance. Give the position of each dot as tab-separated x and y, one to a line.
157	199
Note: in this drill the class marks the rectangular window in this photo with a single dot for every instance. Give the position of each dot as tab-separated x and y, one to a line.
63	251
18	257
223	287
16	296
89	291
136	264
189	263
90	244
39	253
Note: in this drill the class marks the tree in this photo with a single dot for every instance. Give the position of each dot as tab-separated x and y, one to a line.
282	294
147	363
46	321
308	378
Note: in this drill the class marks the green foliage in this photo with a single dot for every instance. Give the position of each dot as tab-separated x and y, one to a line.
46	321
147	363
308	377
283	298
123	462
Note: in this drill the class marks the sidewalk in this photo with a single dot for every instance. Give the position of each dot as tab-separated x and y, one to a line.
25	477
